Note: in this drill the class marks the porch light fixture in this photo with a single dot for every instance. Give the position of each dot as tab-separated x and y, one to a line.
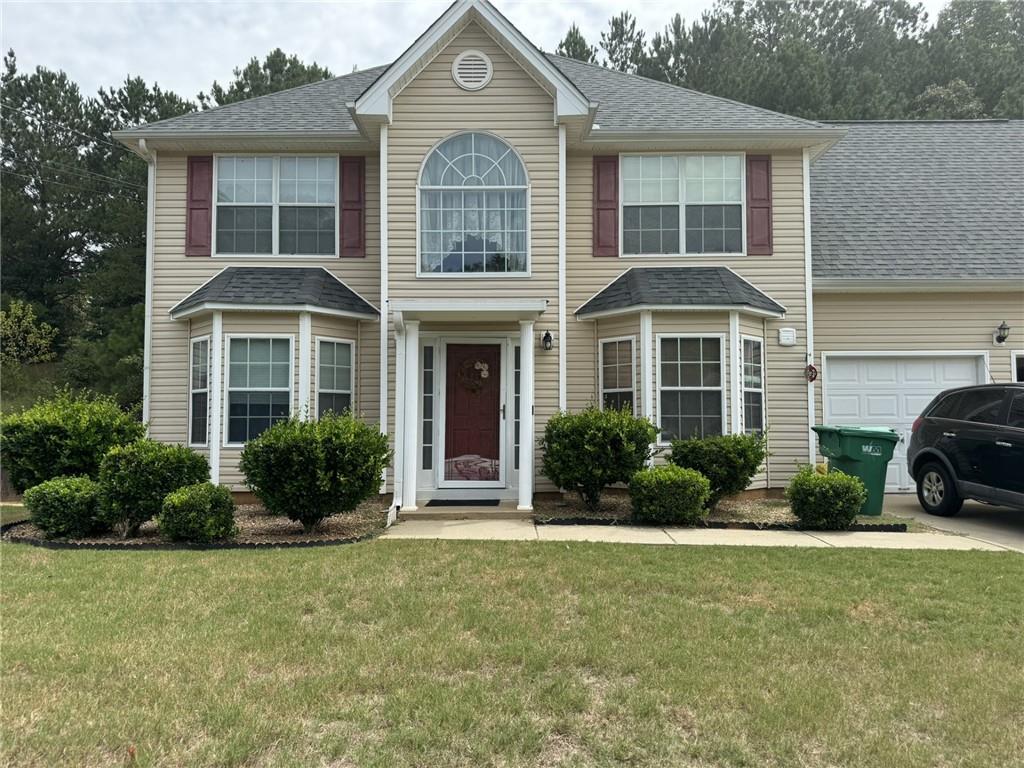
1001	334
547	341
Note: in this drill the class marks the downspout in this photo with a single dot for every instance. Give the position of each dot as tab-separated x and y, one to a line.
147	346
809	300
562	351
384	313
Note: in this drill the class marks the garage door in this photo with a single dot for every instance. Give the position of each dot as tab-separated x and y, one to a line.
891	392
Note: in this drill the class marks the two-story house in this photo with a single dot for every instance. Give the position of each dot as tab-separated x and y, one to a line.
464	242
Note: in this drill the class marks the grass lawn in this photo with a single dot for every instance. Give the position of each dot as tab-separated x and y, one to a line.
404	653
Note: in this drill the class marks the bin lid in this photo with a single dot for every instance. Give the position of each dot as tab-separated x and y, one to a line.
883	433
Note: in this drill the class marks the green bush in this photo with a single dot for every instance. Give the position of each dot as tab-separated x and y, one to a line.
728	461
825	502
589	450
669	495
66	435
202	512
310	470
65	507
135	478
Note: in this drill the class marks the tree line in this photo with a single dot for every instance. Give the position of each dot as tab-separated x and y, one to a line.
72	201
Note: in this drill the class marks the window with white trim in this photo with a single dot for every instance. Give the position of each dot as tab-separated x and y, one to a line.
199	391
517	393
675	204
753	385
473	208
333	376
617	375
283	205
690	387
1018	366
259	385
428	407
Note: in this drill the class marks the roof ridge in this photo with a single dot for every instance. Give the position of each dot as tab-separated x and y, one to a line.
673	86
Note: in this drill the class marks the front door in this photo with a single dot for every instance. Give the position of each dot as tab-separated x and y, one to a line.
472	434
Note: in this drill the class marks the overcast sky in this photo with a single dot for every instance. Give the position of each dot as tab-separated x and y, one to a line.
184	46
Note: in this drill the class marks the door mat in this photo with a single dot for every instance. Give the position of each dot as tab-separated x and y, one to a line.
463	503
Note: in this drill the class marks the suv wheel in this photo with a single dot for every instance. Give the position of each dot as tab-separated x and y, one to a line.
936	491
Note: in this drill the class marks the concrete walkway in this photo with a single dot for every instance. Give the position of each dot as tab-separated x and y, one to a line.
997	525
526	530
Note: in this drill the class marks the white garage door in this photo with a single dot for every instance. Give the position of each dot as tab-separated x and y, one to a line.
891	392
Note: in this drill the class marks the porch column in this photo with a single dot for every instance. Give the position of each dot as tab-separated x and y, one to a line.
526	415
411	414
216	394
305	365
735	374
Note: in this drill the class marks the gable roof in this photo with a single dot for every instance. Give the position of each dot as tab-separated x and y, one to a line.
294	289
667	288
931	200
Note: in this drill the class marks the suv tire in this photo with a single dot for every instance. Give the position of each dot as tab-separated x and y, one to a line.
936	491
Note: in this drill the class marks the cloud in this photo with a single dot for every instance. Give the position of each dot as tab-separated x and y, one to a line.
185	46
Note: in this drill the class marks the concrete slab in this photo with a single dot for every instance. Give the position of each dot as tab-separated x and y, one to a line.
743	538
998	525
477	530
885	540
615	534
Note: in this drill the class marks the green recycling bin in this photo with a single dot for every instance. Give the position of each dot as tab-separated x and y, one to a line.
863	452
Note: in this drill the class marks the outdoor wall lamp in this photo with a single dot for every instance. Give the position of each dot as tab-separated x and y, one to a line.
1001	334
546	341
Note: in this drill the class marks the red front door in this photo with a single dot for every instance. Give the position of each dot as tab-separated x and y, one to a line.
472	435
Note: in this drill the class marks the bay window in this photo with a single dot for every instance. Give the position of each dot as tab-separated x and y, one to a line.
690	387
674	204
753	385
259	385
617	374
199	391
334	376
281	205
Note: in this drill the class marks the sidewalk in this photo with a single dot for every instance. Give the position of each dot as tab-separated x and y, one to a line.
526	530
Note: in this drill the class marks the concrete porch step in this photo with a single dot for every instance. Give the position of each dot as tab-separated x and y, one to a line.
504	511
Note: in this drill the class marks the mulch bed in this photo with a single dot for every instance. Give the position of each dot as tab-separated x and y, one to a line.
256	529
745	514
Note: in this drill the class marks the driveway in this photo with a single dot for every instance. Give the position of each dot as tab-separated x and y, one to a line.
981	521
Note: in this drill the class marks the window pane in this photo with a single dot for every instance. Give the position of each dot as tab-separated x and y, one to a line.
197	428
244	229
753	416
334	402
981	405
307	231
650	229
250	413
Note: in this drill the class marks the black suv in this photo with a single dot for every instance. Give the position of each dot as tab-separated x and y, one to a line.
969	444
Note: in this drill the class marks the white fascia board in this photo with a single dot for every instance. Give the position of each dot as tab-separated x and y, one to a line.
375	102
743	309
913	285
215	306
412	309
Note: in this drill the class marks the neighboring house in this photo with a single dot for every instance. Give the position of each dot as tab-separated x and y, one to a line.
460	244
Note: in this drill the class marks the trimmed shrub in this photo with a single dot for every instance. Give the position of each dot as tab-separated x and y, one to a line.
310	470
669	495
202	512
66	435
589	450
825	502
65	507
135	478
729	462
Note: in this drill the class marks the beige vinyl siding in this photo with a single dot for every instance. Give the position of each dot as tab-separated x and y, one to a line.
918	322
175	276
780	275
515	108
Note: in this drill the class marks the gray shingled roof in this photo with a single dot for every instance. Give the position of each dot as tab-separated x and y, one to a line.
277	287
633	103
679	287
309	108
625	103
920	200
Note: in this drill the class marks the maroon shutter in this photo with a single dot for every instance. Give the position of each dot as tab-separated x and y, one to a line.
759	205
353	207
606	205
199	206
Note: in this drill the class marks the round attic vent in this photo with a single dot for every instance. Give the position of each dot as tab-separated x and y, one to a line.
471	70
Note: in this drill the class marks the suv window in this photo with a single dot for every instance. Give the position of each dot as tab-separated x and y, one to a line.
1016	417
947	407
980	405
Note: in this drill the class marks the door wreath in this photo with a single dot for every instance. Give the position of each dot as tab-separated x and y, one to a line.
472	374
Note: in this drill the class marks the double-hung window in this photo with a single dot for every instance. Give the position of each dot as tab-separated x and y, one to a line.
199	391
690	392
675	204
753	386
333	377
282	205
617	375
259	385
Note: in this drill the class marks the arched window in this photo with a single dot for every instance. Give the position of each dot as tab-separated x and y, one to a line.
473	217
